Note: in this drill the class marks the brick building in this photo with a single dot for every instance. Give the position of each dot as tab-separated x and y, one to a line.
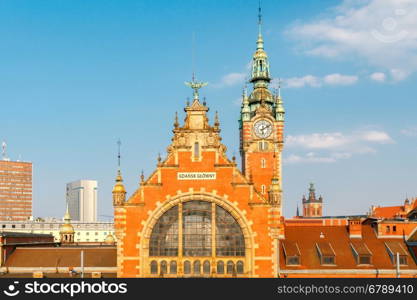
199	215
15	190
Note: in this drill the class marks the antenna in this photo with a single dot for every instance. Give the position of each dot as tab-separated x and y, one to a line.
193	55
119	143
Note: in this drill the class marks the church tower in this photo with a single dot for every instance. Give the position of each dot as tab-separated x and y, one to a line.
261	129
312	207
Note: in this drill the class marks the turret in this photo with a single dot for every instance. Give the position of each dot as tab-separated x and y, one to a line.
66	232
312	207
119	192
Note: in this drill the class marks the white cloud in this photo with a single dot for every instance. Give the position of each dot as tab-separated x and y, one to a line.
339	79
378	76
411	131
298	82
334	146
376	136
317	140
383	33
315	81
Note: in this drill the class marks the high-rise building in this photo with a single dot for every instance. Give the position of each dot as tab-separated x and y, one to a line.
82	200
15	190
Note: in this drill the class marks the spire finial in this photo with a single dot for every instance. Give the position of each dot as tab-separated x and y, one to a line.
259	17
119	143
176	124
279	87
195	85
142	177
216	120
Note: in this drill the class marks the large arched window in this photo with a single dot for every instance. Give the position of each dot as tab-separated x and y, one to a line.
206	229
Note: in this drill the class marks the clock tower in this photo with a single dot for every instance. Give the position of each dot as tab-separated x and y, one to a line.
261	129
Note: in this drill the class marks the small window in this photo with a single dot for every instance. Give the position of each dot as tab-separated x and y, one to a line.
263	146
263	163
394	228
173	267
187	267
263	189
220	267
230	267
206	267
403	260
196	150
164	267
387	229
239	267
197	267
328	260
364	260
13	226
293	260
154	267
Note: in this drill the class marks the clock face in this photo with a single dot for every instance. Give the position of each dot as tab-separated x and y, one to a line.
263	129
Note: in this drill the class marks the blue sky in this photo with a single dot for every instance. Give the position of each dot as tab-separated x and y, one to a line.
77	75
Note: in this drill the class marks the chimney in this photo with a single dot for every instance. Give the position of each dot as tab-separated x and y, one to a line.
355	228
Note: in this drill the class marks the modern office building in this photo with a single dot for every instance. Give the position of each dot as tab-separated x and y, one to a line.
82	200
15	190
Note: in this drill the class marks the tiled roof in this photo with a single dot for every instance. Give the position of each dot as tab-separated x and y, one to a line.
62	257
336	238
387	211
23	234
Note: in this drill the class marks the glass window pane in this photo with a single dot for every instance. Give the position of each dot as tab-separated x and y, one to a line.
197	267
164	267
187	267
239	267
196	228
206	267
230	267
164	237
154	267
229	236
220	267
173	267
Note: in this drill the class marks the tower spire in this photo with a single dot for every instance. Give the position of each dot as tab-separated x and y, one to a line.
119	143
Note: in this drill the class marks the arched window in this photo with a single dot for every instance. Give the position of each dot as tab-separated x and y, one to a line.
230	267
187	267
164	267
220	267
197	230
154	267
197	267
206	267
164	237
173	267
239	267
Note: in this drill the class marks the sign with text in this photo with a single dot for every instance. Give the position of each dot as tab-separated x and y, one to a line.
196	176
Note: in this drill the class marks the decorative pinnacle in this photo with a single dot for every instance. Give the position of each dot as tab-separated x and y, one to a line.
119	143
216	120
142	177
159	158
195	85
176	124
